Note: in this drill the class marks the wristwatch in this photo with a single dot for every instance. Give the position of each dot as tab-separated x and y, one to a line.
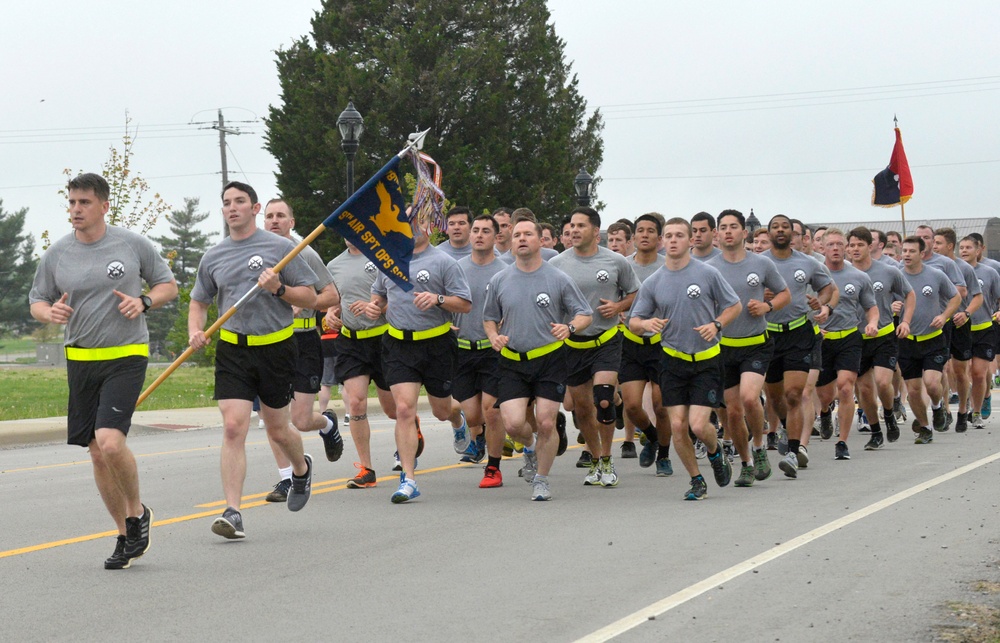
147	303
440	300
770	307
572	329
280	291
718	325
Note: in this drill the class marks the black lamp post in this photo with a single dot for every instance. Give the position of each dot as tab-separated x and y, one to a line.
351	125
752	222
583	184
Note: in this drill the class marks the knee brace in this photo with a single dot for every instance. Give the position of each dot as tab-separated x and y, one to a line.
605	393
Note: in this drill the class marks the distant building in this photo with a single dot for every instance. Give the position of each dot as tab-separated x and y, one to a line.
989	227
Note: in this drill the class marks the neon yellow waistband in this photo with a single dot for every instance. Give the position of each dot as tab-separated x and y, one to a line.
736	342
697	357
78	354
534	353
641	339
792	325
982	326
924	338
304	322
240	339
363	334
882	332
417	335
479	345
840	334
593	343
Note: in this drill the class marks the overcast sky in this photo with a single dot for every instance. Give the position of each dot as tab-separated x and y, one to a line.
776	106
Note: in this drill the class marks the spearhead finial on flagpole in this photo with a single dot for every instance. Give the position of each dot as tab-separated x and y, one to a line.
895	122
415	141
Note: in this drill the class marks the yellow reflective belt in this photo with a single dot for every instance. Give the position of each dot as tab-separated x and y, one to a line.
840	334
697	357
743	341
417	335
479	345
534	353
882	332
304	322
792	325
240	339
641	339
363	334
982	326
78	354
597	341
924	338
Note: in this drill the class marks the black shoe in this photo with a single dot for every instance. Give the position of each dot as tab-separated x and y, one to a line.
826	425
875	443
648	454
280	491
962	424
772	441
586	459
333	443
229	524
628	451
948	420
118	560
924	435
301	489
940	419
721	467
841	452
137	534
891	427
561	430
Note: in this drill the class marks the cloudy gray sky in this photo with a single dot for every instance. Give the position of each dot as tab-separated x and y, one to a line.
777	106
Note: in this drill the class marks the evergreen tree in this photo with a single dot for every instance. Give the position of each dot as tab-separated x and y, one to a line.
17	270
489	77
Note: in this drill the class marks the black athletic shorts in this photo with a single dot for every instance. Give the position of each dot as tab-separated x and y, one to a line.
543	377
816	361
309	365
475	372
793	351
737	360
916	357
430	362
879	351
357	357
996	338
961	341
640	362
246	372
842	354
684	383
582	363
983	343
102	395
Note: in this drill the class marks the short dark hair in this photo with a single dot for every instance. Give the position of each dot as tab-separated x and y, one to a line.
242	187
489	217
917	240
548	226
734	213
818	228
972	237
801	225
93	182
655	217
460	210
565	222
618	226
780	216
979	238
862	233
704	216
679	221
948	234
893	233
628	223
591	213
521	214
538	227
881	235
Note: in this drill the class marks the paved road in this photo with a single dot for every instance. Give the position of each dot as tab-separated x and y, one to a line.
859	550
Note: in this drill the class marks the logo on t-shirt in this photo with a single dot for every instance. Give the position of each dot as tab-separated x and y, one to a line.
423	276
542	300
800	276
753	279
116	269
256	262
980	282
878	286
927	291
850	289
603	276
694	291
370	267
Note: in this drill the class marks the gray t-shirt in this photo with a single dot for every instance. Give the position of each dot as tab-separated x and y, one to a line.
799	272
453	252
690	297
971	282
712	254
933	290
470	325
354	275
989	283
323	279
547	253
856	297
748	279
90	272
889	285
947	266
528	303
889	261
229	270
644	271
430	271
603	275
991	263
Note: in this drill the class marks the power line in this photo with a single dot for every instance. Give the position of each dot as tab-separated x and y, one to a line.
762	174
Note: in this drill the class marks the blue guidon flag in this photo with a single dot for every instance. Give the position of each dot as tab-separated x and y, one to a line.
374	219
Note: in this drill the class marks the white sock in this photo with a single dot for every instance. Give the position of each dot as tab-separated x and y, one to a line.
285	473
329	425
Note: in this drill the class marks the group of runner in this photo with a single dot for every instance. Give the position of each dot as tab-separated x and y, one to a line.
688	333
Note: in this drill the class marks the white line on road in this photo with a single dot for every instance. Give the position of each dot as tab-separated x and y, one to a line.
664	605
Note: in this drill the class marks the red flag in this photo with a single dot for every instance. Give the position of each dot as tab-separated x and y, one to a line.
894	185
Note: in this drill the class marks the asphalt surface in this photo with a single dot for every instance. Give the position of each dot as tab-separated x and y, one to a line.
871	548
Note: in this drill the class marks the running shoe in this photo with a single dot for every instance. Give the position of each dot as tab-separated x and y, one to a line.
700	450
863	425
772	441
492	478
721	467
977	421
476	450
518	447
924	435
585	461
561	432
366	478
396	464
301	489
648	454
118	560
761	465
789	465
898	410
825	425
730	451
962	423
940	419
987	407
663	468
803	457
953	399
609	477
746	476
949	418
782	440
698	490
530	466
462	439
593	476
875	442
841	452
508	446
407	490
540	489
229	524
280	491
996	380
333	443
137	534
891	426
628	451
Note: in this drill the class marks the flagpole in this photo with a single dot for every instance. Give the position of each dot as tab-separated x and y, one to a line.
902	216
416	141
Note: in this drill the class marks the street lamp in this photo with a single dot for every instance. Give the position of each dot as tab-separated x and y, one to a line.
582	184
351	125
752	222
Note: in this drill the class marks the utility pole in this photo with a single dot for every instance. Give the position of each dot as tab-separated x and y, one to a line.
223	130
